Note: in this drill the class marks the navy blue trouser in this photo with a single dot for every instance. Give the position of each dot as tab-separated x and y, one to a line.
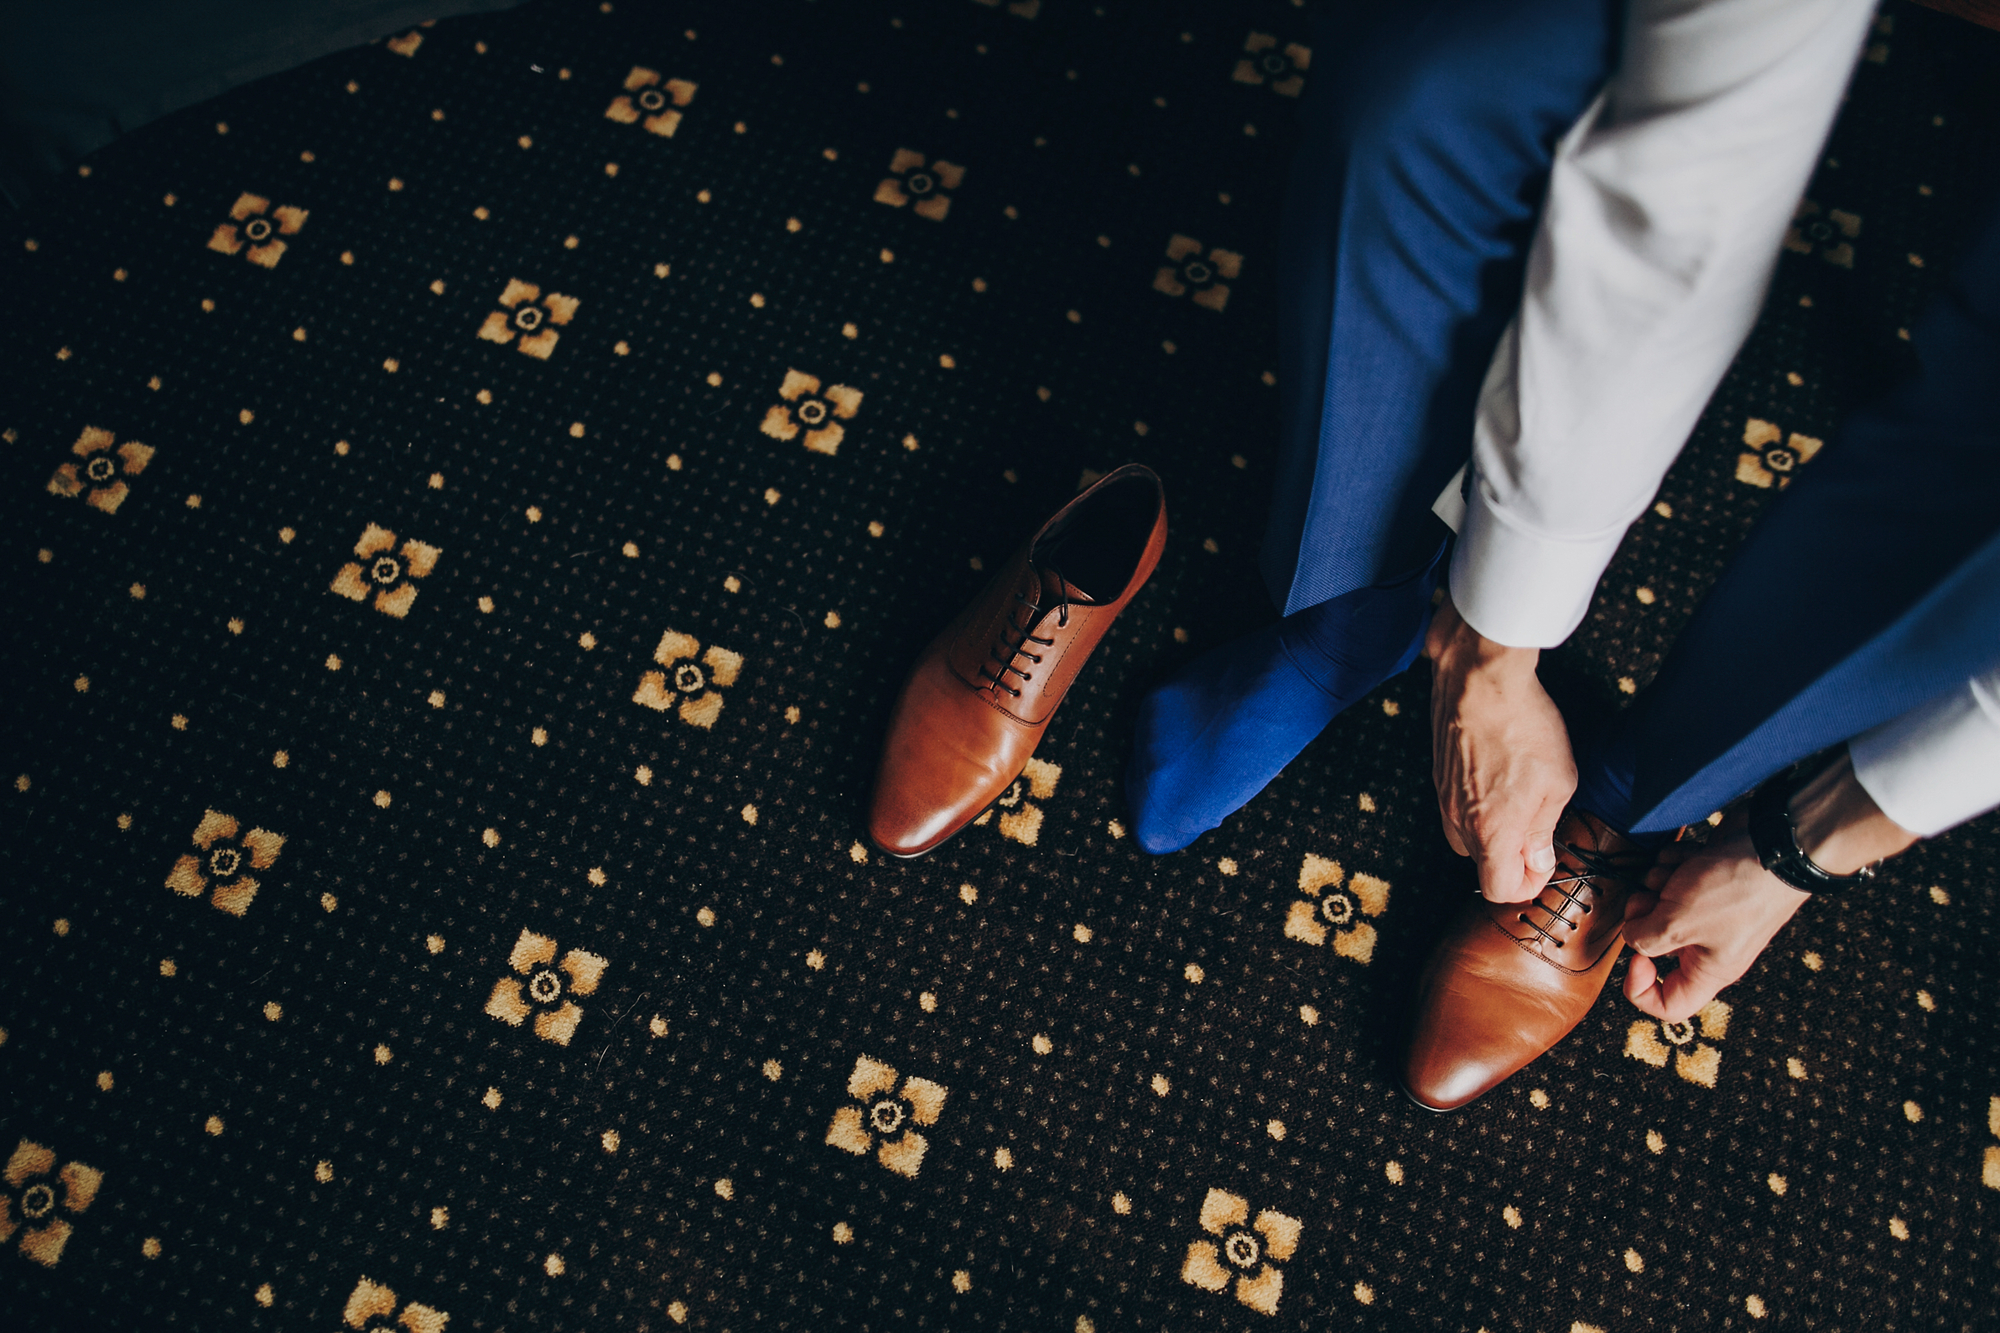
1870	586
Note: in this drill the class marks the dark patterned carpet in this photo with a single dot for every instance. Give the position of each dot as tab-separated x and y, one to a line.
471	501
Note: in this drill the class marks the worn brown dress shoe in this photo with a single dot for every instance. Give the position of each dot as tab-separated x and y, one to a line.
980	697
1509	980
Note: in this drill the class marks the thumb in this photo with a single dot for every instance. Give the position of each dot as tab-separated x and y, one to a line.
1540	848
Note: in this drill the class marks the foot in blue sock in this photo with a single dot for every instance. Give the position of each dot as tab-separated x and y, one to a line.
1214	736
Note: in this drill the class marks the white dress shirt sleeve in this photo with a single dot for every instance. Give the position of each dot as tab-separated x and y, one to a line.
1936	765
1666	206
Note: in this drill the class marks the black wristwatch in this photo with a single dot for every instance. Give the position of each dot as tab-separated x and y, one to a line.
1776	837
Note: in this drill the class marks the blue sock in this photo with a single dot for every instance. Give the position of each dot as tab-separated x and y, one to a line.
1214	736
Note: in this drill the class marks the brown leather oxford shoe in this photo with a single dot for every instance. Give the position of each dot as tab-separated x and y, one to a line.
1510	980
980	697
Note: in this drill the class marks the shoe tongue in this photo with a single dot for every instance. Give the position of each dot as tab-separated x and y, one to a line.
1056	588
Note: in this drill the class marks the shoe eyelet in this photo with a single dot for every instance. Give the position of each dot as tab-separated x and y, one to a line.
1559	944
1522	915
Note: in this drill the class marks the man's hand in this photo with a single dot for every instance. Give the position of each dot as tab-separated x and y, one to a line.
1714	908
1499	755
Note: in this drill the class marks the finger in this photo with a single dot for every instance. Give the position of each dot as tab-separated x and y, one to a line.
1689	987
1638	906
1642	978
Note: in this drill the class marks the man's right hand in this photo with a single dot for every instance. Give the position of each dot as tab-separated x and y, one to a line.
1500	757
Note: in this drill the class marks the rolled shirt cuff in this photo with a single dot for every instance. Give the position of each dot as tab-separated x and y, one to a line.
1520	588
1937	765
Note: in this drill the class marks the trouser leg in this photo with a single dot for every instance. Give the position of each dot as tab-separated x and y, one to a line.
1428	133
1870	586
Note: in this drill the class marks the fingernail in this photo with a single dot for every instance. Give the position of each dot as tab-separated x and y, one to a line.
1542	858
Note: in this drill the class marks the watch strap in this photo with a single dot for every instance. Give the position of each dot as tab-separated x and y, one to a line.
1776	839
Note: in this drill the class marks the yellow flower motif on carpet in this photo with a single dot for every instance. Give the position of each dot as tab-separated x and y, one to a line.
223	869
98	479
686	682
1990	1170
1775	457
1832	234
532	317
818	413
257	238
885	1116
650	101
545	996
1264	63
1192	271
912	180
1242	1251
385	571
41	1199
372	1308
1329	908
1021	818
1685	1042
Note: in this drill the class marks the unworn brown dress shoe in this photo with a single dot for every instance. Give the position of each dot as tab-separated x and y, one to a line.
980	697
1509	980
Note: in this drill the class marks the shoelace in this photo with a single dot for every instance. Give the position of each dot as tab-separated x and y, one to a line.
1018	647
1572	884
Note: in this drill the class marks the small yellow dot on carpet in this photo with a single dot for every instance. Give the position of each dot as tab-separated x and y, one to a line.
1512	1216
323	1172
553	1265
1634	1261
1193	973
1655	1141
1364	1293
968	894
491	1101
150	1247
1041	1044
440	1218
1160	1085
1003	1158
773	1070
610	1140
927	1002
842	1233
1394	1170
961	1281
1776	1182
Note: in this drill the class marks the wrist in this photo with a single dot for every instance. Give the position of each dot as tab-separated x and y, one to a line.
1838	824
1454	646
